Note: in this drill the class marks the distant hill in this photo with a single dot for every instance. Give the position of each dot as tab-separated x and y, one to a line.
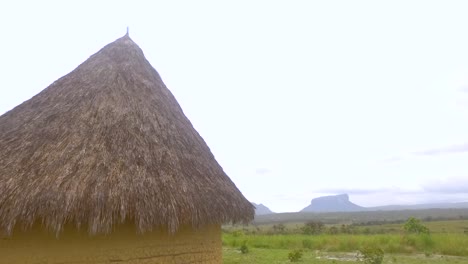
334	203
341	203
419	206
363	216
262	209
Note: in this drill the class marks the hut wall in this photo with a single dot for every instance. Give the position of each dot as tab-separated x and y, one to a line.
121	246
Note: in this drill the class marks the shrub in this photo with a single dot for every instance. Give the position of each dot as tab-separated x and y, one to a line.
371	255
295	255
244	249
279	229
333	230
366	231
312	228
346	229
414	225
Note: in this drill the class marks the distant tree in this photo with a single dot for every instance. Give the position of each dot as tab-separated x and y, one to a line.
333	230
313	228
366	231
415	226
279	228
346	229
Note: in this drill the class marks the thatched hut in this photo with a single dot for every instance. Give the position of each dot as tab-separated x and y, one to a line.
103	166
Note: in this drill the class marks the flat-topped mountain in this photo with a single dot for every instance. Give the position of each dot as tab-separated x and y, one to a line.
333	203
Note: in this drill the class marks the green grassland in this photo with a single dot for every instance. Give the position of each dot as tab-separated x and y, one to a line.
446	226
447	242
273	256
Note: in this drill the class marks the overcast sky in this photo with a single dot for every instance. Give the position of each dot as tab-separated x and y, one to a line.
296	99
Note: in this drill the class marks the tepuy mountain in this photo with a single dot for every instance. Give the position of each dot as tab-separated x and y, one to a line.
261	209
333	203
341	203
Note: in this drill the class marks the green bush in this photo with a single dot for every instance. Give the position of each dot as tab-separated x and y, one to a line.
295	255
279	229
371	255
414	225
312	228
333	230
244	249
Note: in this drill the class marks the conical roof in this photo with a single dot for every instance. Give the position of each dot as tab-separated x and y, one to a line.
106	144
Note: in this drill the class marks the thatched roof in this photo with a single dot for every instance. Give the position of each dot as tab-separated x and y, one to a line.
106	144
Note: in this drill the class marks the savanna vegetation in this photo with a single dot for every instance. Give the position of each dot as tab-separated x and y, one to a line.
410	241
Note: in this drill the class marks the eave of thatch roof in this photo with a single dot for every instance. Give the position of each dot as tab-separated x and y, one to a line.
106	144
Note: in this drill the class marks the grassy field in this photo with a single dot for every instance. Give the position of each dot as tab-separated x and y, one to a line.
446	243
273	256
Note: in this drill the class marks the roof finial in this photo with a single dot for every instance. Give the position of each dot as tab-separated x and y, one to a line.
127	32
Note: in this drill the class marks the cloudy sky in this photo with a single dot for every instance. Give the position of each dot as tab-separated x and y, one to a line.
296	99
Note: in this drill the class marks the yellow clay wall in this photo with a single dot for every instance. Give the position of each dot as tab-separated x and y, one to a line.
122	246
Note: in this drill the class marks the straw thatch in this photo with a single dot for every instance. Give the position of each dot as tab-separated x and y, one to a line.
106	144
